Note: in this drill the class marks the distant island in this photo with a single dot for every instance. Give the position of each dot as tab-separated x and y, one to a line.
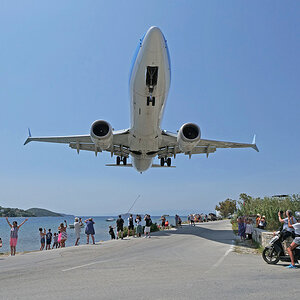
31	212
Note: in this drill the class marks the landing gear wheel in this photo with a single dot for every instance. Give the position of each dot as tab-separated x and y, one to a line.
124	161
169	161
270	256
118	160
162	161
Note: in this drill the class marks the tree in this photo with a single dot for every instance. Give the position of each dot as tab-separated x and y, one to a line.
226	207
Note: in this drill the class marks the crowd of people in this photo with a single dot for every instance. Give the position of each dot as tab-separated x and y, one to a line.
130	228
245	228
290	228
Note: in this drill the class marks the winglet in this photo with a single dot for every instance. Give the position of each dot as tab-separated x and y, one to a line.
254	143
29	137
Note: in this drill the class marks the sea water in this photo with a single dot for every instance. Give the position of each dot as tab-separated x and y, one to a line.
29	237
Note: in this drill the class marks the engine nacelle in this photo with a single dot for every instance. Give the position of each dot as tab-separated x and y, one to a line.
102	134
188	137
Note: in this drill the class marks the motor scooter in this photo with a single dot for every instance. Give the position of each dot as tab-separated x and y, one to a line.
274	251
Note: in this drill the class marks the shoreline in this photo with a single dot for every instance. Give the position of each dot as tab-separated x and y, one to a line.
7	254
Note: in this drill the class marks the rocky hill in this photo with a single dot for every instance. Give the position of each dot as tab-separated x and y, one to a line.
32	212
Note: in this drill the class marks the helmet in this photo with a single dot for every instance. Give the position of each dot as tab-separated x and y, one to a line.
297	215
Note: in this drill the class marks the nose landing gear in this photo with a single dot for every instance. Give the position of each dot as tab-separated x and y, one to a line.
168	161
123	159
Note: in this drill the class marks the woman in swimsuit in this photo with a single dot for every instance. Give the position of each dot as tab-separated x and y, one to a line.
63	232
14	235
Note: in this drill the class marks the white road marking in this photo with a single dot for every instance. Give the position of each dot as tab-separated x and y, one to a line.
86	265
221	259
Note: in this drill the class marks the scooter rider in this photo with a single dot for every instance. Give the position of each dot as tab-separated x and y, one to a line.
286	230
296	241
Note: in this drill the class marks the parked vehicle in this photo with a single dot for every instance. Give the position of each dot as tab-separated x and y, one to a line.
274	252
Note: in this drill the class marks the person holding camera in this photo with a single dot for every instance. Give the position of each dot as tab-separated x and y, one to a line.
286	230
296	241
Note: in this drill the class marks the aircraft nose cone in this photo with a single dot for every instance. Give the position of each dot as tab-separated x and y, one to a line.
154	39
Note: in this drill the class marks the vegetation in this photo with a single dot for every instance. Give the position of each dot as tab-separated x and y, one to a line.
14	212
226	208
154	227
32	212
267	206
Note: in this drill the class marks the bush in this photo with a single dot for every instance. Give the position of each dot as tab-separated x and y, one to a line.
267	206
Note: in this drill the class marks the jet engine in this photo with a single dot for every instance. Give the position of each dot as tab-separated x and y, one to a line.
188	137
102	134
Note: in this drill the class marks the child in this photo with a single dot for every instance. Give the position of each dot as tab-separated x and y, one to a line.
112	233
42	237
249	229
48	239
55	240
59	238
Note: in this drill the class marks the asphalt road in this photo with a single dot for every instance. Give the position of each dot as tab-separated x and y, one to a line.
190	263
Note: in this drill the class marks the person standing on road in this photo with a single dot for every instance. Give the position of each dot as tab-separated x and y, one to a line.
63	233
241	228
296	241
249	229
120	224
42	238
130	226
139	229
163	222
14	230
148	225
48	239
89	230
77	229
176	220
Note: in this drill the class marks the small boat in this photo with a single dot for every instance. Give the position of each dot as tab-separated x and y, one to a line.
110	219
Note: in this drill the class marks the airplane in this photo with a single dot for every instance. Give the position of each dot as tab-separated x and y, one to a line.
149	84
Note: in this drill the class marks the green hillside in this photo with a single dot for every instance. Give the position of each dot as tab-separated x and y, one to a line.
32	212
40	212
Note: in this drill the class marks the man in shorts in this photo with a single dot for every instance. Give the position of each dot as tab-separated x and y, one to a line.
148	225
120	223
130	226
48	239
296	241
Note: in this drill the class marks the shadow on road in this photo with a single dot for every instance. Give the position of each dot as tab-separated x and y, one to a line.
220	236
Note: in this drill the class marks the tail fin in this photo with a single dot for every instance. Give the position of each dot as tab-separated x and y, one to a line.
254	143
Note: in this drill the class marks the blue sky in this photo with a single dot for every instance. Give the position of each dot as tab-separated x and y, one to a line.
235	72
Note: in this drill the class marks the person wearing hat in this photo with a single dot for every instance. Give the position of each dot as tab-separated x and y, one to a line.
296	241
77	228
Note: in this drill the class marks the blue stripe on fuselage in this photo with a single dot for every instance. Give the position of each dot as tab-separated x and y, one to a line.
136	52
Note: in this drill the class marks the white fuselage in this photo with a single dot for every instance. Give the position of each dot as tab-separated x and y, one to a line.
149	87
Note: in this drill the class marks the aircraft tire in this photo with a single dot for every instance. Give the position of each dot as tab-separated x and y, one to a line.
124	161
118	160
169	161
162	161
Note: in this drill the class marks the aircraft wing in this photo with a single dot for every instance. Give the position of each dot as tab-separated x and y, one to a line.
84	142
169	145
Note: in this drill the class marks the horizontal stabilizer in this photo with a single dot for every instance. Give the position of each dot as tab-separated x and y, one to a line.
159	166
115	165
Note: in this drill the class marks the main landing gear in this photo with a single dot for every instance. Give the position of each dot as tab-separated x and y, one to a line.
123	159
168	161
